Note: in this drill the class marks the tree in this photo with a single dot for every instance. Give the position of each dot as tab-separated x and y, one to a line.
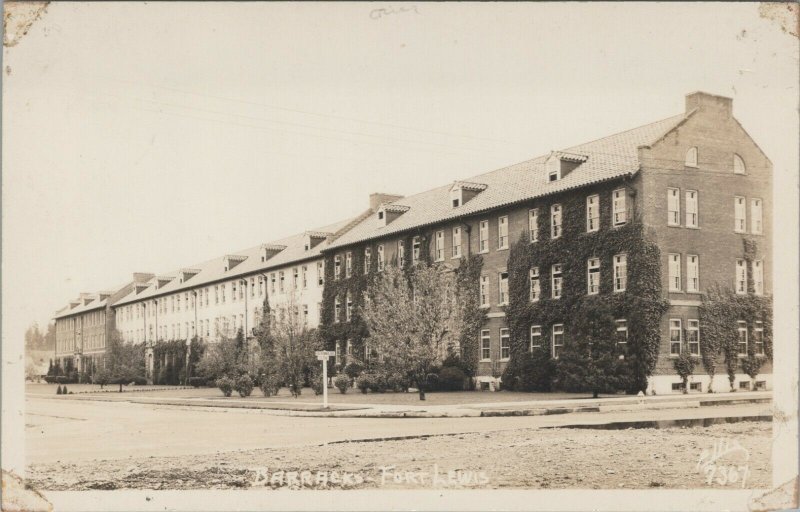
219	359
591	361
287	347
684	365
751	365
124	362
413	319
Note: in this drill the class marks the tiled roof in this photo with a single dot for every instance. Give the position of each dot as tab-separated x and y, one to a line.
214	269
607	158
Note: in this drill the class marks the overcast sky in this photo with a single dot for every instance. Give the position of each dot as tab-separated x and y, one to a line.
147	137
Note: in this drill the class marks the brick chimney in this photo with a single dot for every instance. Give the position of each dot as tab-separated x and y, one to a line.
378	198
719	105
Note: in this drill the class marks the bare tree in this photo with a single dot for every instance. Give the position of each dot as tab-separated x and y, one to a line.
287	348
413	319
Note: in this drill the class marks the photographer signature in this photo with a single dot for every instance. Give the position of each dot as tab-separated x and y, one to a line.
734	471
379	13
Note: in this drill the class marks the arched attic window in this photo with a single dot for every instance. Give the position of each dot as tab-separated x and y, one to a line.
738	164
691	157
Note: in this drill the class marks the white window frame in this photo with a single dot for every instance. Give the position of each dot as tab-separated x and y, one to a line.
367	259
673	206
621	325
758	329
439	245
739	214
557	330
535	292
593	213
348	264
740	285
674	268
484	291
502	288
502	232
416	249
556	276
738	165
337	309
675	326
505	349
456	251
555	221
619	207
483	236
593	276
536	337
741	327
486	345
381	258
693	336
533	225
691	157
401	252
758	277
320	273
692	273
337	269
756	216
692	209
620	272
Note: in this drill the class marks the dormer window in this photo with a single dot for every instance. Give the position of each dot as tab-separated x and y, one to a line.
552	175
456	202
232	260
559	164
691	157
463	191
380	215
738	165
387	213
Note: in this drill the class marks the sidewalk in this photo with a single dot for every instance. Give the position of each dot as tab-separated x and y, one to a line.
423	410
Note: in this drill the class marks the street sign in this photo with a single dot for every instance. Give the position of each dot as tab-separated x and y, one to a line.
329	353
323	356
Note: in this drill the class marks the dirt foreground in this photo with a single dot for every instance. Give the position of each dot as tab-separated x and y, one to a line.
684	458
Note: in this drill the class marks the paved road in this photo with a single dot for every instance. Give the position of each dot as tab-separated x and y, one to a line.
73	430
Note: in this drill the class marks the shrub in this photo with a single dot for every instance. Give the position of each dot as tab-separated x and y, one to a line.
58	391
353	370
196	382
342	383
64	392
269	385
431	382
139	381
364	382
534	372
451	378
684	366
225	385
50	379
62	379
244	385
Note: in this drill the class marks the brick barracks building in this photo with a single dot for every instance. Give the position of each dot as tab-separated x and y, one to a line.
696	185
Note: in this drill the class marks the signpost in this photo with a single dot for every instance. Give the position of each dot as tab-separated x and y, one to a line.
324	355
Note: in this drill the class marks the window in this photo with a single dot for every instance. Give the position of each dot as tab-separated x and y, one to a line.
484	291
741	277
744	385
619	211
320	273
555	221
486	348
740	219
622	332
674	272
692	220
415	248
558	339
401	252
741	328
675	336
349	310
348	264
457	242
502	233
673	207
620	272
536	289
483	236
592	213
281	281
440	246
337	267
552	176
692	273
533	224
336	310
691	157
758	277
758	337
593	276
536	337
305	277
555	281
738	164
755	216
693	336
381	258
503	288
367	259
295	277
272	282
505	344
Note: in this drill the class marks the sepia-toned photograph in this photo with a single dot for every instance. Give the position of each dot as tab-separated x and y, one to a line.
399	256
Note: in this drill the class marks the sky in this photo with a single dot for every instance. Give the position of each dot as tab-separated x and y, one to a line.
146	137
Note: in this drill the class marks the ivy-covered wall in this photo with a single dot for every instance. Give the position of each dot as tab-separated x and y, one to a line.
641	304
